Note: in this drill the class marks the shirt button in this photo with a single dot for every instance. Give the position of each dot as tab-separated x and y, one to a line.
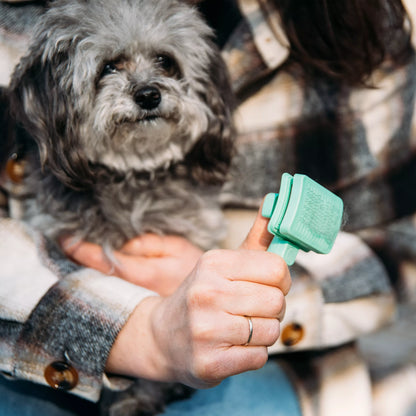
292	334
15	169
61	375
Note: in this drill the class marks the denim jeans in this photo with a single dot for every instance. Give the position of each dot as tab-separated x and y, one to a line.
265	392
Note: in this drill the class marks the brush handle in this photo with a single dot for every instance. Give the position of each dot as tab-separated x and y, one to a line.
284	249
279	246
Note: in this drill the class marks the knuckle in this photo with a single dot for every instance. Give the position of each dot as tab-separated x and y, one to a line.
287	283
211	259
201	331
272	332
201	295
260	359
206	368
282	275
279	302
275	302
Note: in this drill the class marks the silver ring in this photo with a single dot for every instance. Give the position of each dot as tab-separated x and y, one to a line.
250	328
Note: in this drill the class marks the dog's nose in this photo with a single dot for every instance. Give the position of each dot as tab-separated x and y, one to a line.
148	98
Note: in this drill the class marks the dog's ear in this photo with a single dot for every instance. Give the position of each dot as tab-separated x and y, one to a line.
29	98
210	158
40	102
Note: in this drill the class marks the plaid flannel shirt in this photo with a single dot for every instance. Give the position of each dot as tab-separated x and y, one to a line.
51	310
360	143
357	142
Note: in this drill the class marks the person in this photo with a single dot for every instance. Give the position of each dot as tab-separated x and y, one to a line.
346	122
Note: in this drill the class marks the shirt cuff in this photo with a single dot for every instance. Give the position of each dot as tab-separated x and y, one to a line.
72	329
58	321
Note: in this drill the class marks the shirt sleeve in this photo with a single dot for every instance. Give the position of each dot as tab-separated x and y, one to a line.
54	312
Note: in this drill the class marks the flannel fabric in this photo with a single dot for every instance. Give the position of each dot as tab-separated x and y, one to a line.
360	143
52	311
16	22
357	142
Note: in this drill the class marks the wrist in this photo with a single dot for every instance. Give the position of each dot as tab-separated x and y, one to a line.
135	352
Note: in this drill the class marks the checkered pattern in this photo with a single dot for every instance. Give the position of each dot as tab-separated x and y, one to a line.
53	311
357	142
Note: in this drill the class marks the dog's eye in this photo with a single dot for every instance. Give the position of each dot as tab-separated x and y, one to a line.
109	68
168	65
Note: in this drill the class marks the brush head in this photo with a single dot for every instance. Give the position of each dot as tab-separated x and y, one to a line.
304	215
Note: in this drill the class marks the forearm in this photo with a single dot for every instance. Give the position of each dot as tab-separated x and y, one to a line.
47	316
135	352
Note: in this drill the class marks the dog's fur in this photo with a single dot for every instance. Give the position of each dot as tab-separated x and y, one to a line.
129	105
124	109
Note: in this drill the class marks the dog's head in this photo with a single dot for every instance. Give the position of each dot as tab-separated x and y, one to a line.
128	84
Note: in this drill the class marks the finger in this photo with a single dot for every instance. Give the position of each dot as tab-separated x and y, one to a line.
282	313
249	299
248	265
88	254
151	245
264	332
248	358
136	269
229	330
231	361
258	237
93	256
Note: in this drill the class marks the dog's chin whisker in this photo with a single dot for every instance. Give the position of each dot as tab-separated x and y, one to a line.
149	118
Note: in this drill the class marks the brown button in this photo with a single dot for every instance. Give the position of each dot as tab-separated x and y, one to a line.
292	334
61	375
15	169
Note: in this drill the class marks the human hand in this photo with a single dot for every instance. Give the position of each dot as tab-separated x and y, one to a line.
159	263
197	335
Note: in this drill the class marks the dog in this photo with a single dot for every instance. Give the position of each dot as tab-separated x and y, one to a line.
124	127
127	107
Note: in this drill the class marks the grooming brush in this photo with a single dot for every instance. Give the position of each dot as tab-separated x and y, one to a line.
303	215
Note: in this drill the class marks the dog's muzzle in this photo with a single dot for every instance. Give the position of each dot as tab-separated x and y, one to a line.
148	98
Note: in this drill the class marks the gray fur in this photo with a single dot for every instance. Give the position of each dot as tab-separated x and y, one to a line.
105	167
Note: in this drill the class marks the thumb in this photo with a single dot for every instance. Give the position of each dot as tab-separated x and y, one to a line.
258	237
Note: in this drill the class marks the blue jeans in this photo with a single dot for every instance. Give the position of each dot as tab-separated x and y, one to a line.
22	398
265	392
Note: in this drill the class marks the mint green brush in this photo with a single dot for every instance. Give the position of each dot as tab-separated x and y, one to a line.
303	215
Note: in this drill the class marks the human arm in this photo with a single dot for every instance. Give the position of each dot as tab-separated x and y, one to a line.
52	312
330	294
206	318
75	315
